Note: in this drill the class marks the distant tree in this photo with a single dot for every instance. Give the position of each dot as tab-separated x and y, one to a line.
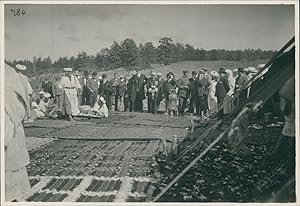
129	53
165	51
114	55
81	60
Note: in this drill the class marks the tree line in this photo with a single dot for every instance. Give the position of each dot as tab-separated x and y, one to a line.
129	55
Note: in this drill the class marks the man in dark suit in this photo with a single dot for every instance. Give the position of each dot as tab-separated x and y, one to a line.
160	89
183	91
140	81
93	85
131	91
115	83
106	90
193	92
85	96
202	88
222	88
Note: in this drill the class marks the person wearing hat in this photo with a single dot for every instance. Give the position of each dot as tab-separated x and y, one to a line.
122	92
106	91
57	91
193	92
169	84
100	108
160	89
93	87
222	88
202	86
26	85
70	86
86	90
16	156
241	79
212	99
183	91
79	92
140	81
152	93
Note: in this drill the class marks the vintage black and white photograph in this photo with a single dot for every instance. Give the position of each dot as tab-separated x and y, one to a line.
149	102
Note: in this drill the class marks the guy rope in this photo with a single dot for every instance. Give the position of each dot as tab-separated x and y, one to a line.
282	70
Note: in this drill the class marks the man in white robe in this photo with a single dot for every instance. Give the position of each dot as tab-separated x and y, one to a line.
70	85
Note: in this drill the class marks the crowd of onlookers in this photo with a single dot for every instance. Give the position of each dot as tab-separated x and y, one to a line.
198	93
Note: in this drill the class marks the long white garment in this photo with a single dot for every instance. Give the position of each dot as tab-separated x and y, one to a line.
70	86
212	99
103	111
16	155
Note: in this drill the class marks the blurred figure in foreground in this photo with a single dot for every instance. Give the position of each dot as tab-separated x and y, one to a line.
16	155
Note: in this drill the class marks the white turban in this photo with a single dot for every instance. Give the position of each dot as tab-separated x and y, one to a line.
102	100
47	95
68	69
21	67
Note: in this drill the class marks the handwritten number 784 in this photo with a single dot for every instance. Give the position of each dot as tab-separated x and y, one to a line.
18	12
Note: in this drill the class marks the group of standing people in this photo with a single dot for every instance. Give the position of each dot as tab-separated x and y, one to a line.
199	94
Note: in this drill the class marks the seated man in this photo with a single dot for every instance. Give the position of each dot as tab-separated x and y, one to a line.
100	108
44	108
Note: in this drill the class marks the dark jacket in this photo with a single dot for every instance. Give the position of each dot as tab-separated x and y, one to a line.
183	86
202	86
140	85
240	81
93	85
56	91
168	85
106	88
222	87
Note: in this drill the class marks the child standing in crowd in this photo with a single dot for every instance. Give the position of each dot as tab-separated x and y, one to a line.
173	104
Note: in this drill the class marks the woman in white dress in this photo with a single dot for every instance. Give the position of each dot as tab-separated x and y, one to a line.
212	99
70	85
228	107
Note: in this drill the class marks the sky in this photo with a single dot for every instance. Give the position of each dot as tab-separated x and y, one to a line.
66	30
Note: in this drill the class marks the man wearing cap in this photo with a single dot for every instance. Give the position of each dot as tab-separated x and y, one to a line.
106	90
193	92
70	86
183	91
222	88
152	93
86	90
202	85
241	79
28	89
93	87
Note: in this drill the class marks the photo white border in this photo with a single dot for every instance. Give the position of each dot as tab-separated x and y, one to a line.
179	2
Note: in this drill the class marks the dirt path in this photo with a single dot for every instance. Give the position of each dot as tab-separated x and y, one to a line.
99	160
